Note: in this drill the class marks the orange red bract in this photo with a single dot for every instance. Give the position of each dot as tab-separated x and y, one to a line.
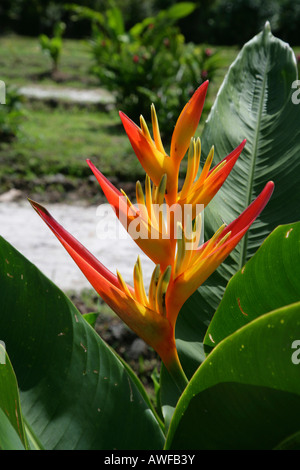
181	264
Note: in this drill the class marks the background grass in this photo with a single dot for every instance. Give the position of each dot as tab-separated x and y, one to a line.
23	62
56	138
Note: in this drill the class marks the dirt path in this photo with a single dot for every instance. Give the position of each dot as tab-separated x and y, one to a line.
92	226
89	96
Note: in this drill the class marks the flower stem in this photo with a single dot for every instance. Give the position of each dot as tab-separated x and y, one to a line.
177	373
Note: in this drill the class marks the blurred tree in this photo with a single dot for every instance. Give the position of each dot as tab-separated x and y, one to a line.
214	21
289	21
235	22
231	22
135	11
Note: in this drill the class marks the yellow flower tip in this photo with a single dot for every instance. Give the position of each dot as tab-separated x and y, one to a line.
127	198
153	287
192	150
192	168
208	161
162	287
147	180
144	128
162	185
198	225
139	193
123	285
218	233
210	156
205	169
154	119
139	261
211	244
157	213
148	194
138	281
188	238
181	250
155	130
192	147
223	239
218	168
159	191
132	211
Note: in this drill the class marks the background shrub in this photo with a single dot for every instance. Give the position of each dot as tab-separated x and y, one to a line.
149	63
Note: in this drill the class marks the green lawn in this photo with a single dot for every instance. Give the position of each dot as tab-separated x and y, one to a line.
58	139
22	62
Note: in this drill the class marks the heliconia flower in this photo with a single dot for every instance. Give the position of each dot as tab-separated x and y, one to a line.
180	269
151	153
153	316
195	265
144	314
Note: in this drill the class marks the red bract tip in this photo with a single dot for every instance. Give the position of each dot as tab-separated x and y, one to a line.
187	123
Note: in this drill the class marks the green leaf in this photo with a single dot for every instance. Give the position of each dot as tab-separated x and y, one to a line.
81	12
91	318
290	443
115	21
12	435
75	392
136	30
254	102
268	281
9	438
181	10
246	394
191	327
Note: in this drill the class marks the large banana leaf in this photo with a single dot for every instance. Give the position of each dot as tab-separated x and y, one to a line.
246	394
268	281
75	392
255	102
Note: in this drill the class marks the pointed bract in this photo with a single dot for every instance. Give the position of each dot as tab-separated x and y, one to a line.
152	160
206	259
152	327
210	181
187	123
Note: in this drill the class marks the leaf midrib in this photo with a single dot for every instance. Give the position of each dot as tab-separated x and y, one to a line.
243	252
